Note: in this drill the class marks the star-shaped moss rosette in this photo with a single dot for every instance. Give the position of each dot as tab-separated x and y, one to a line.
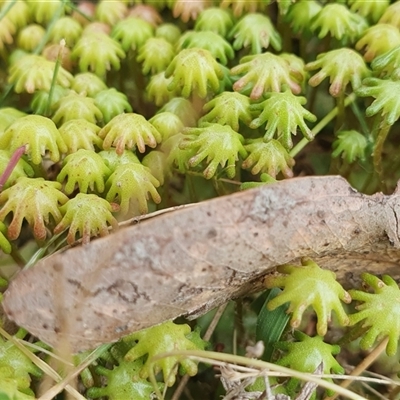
88	83
18	12
131	185
387	65
33	200
111	103
391	15
187	10
284	114
16	370
306	354
194	72
377	40
7	116
379	311
296	67
76	106
387	100
11	387
309	285
149	12
132	32
87	215
240	8
38	134
85	170
97	53
339	22
264	73
162	339
7	31
184	109
215	20
256	32
215	44
43	13
386	111
351	145
370	10
228	108
30	37
342	66
301	14
111	12
217	145
129	131
168	31
268	157
123	382
80	134
155	55
113	160
32	72
158	164
66	27
167	123
176	157
157	89
283	6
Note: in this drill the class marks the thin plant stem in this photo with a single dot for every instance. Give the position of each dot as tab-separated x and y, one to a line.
238	320
53	21
341	112
214	322
311	98
381	136
54	79
361	119
317	128
7	8
286	35
80	12
362	366
11	165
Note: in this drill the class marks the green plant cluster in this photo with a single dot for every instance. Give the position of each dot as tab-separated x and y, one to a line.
310	286
114	109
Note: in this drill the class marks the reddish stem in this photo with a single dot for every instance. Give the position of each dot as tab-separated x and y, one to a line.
11	165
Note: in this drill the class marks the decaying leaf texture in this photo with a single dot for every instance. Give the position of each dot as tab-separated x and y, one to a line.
189	261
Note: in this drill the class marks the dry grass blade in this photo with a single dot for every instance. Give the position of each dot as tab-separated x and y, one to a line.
222	360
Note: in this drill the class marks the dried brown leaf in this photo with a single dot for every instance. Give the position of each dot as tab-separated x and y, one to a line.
192	260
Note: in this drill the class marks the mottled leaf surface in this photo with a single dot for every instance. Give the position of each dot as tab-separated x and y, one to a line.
190	261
